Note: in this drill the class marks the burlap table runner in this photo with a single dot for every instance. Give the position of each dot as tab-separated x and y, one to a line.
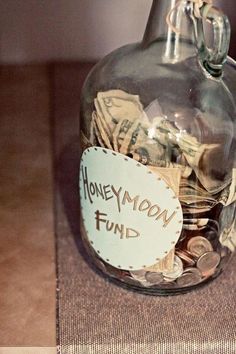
96	316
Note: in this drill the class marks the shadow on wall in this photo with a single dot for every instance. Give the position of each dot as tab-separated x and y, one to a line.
229	7
36	31
107	25
90	29
68	30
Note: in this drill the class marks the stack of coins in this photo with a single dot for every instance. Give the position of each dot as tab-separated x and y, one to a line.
191	266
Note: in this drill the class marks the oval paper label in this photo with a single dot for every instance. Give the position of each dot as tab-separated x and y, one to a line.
132	218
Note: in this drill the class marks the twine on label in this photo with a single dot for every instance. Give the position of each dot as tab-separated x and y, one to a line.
197	11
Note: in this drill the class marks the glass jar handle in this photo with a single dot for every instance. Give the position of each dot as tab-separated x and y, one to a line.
213	58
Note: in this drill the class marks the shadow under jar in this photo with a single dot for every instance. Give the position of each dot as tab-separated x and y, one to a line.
157	172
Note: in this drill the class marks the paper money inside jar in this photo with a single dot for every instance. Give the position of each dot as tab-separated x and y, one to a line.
157	171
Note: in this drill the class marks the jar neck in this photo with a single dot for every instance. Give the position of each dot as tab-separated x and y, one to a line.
158	29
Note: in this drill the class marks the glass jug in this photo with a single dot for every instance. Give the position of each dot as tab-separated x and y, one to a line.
157	171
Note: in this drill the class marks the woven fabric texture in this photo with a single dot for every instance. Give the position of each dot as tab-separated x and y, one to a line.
95	316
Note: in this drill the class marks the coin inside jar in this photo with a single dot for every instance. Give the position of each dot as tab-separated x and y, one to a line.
176	272
208	263
199	245
138	275
185	256
154	278
189	279
131	281
193	271
211	235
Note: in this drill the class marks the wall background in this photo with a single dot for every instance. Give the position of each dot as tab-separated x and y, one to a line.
49	30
